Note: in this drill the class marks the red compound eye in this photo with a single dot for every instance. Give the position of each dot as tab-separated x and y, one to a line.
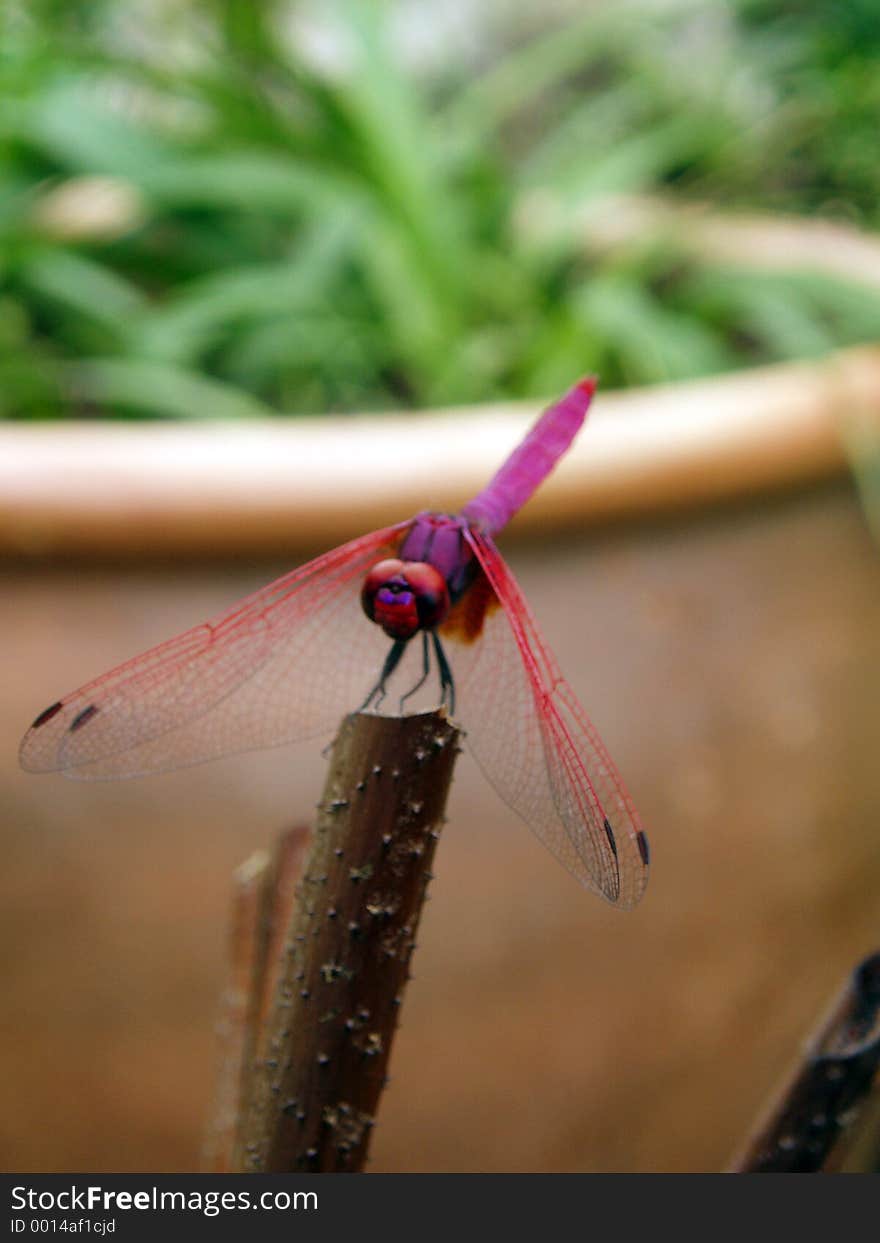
405	596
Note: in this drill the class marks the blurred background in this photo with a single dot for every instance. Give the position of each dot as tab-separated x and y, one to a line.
212	206
231	213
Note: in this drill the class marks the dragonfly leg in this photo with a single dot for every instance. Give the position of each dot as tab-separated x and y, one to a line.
447	685
426	669
392	660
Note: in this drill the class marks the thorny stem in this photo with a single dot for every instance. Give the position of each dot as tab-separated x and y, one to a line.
320	1071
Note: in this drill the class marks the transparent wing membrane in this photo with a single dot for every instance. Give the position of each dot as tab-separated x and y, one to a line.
284	664
539	749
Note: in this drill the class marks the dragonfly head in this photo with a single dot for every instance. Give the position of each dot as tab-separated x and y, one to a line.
405	596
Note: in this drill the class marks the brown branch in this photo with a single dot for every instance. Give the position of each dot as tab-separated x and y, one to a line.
234	1030
345	962
264	891
824	1112
285	873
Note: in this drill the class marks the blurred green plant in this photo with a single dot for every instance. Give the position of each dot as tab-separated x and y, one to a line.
822	58
230	209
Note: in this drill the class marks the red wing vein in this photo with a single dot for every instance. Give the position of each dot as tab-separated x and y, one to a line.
240	680
586	817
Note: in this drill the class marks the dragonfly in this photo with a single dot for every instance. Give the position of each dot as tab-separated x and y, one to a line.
366	624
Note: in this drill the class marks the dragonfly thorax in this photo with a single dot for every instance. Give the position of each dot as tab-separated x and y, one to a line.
404	597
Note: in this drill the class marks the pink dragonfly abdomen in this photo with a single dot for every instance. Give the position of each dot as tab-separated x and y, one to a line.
439	539
532	461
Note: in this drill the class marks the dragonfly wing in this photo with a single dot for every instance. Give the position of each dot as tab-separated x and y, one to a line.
283	664
537	745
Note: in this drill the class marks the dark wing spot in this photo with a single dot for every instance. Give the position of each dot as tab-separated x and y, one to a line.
644	851
609	833
83	717
47	714
613	893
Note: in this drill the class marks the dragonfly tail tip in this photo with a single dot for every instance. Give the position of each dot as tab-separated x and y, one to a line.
588	384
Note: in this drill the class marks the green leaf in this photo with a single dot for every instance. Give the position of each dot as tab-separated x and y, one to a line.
158	390
83	286
188	325
770	307
248	181
513	84
654	342
70	121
